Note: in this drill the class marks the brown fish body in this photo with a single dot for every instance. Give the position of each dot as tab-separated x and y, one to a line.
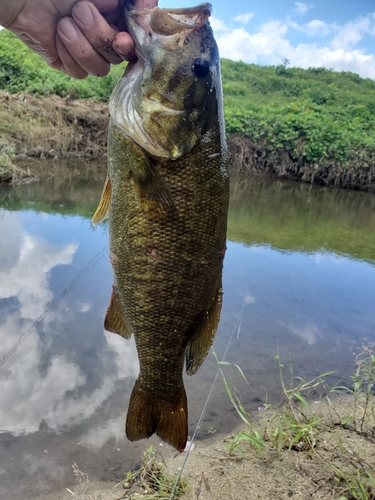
168	188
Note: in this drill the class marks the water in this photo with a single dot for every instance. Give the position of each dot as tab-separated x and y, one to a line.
299	280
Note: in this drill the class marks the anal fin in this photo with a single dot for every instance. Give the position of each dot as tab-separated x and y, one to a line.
114	320
103	208
200	343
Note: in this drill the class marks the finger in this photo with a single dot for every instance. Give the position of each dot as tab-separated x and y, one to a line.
146	4
116	16
98	32
80	48
68	65
124	46
105	6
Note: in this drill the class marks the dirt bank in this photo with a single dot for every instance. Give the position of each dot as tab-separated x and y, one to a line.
339	466
53	127
247	157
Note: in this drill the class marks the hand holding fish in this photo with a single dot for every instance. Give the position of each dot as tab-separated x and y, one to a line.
80	38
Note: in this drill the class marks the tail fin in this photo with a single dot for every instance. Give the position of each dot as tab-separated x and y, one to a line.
148	414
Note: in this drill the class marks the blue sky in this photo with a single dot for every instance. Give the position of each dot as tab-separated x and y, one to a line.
337	34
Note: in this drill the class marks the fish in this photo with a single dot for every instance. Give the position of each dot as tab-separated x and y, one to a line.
166	198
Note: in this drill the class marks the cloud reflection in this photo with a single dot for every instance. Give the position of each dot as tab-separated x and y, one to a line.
43	380
307	331
249	299
26	276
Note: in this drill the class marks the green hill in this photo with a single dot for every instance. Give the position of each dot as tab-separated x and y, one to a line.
317	116
21	70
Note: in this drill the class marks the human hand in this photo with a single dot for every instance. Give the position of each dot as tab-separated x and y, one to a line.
78	38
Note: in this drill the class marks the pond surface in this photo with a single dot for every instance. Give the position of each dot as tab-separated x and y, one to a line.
299	280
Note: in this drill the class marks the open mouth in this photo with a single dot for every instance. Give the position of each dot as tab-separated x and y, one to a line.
169	22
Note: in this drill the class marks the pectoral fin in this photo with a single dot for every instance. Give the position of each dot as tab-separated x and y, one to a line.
201	341
101	212
153	191
114	320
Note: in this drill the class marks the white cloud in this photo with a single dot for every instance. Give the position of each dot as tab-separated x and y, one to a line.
320	28
244	18
301	8
218	25
270	43
313	28
352	33
239	44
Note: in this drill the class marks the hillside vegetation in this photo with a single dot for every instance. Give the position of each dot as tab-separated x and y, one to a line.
315	114
290	121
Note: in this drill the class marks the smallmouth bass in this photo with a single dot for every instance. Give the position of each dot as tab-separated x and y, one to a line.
166	196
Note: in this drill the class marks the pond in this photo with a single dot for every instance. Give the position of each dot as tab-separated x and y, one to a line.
299	281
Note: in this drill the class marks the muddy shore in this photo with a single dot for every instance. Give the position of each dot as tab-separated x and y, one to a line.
213	472
53	127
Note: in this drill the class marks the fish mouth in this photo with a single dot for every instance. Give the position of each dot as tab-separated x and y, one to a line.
169	22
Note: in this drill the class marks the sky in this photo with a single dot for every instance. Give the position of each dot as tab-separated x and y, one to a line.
337	34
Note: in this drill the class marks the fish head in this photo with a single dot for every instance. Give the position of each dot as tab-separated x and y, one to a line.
177	49
175	82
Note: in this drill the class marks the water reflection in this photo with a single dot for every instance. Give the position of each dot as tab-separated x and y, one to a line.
299	276
300	217
40	383
26	261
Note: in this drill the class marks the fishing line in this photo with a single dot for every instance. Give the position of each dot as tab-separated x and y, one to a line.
92	263
237	327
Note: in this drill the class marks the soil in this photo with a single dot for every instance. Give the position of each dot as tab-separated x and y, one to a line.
53	127
214	473
248	157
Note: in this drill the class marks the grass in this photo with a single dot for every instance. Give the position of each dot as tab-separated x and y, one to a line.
9	172
293	425
152	481
52	128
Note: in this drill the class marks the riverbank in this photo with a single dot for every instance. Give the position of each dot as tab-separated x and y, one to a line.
250	158
339	464
54	127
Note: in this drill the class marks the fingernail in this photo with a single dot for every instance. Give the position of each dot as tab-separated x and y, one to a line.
67	29
83	13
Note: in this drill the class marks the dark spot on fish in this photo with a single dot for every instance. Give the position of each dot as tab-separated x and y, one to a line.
201	67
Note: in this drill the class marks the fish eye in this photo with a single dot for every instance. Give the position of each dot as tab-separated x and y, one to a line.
200	67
